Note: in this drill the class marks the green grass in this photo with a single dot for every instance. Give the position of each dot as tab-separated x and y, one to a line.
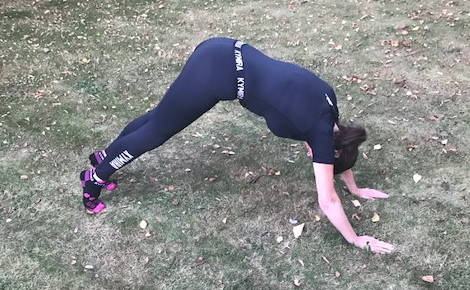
99	64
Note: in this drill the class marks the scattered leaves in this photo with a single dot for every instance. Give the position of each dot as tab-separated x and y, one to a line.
417	177
356	216
273	171
356	203
428	278
411	147
375	217
293	221
143	224
170	188
38	95
297	282
298	230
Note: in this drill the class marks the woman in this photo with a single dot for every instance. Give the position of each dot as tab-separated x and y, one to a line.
295	103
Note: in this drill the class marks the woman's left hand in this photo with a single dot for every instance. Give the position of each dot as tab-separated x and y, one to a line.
368	193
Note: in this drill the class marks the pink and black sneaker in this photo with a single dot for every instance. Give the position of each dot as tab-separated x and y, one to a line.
91	191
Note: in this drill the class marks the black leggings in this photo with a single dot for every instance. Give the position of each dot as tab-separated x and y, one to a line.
208	77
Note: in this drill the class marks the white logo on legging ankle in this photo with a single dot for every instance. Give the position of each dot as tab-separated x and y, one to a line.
122	159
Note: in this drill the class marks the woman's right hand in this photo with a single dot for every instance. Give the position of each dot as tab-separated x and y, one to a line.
374	245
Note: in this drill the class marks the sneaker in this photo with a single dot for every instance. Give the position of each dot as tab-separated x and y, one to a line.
91	192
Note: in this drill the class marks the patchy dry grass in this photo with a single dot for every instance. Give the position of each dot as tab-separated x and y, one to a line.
73	73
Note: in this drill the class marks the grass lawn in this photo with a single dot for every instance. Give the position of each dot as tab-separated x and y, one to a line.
74	73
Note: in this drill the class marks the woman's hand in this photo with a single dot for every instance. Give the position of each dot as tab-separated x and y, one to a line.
374	245
368	193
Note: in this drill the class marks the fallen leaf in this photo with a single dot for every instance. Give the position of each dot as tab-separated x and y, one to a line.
317	218
356	216
411	147
337	274
187	170
298	230
8	220
428	278
73	262
23	177
143	224
435	117
375	217
175	202
279	239
212	179
147	234
356	203
170	188
86	60
377	147
301	262
444	142
364	155
89	267
325	259
297	282
224	220
293	221
417	177
38	95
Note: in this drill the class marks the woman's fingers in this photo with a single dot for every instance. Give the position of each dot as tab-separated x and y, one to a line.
379	194
372	193
382	247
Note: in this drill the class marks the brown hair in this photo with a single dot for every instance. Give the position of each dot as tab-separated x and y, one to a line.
347	141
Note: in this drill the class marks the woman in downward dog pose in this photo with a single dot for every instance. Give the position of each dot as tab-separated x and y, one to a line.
295	103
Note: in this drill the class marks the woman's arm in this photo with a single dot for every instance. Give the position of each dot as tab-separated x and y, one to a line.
348	179
329	201
330	204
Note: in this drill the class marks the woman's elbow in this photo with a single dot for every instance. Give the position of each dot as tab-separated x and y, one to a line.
328	202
